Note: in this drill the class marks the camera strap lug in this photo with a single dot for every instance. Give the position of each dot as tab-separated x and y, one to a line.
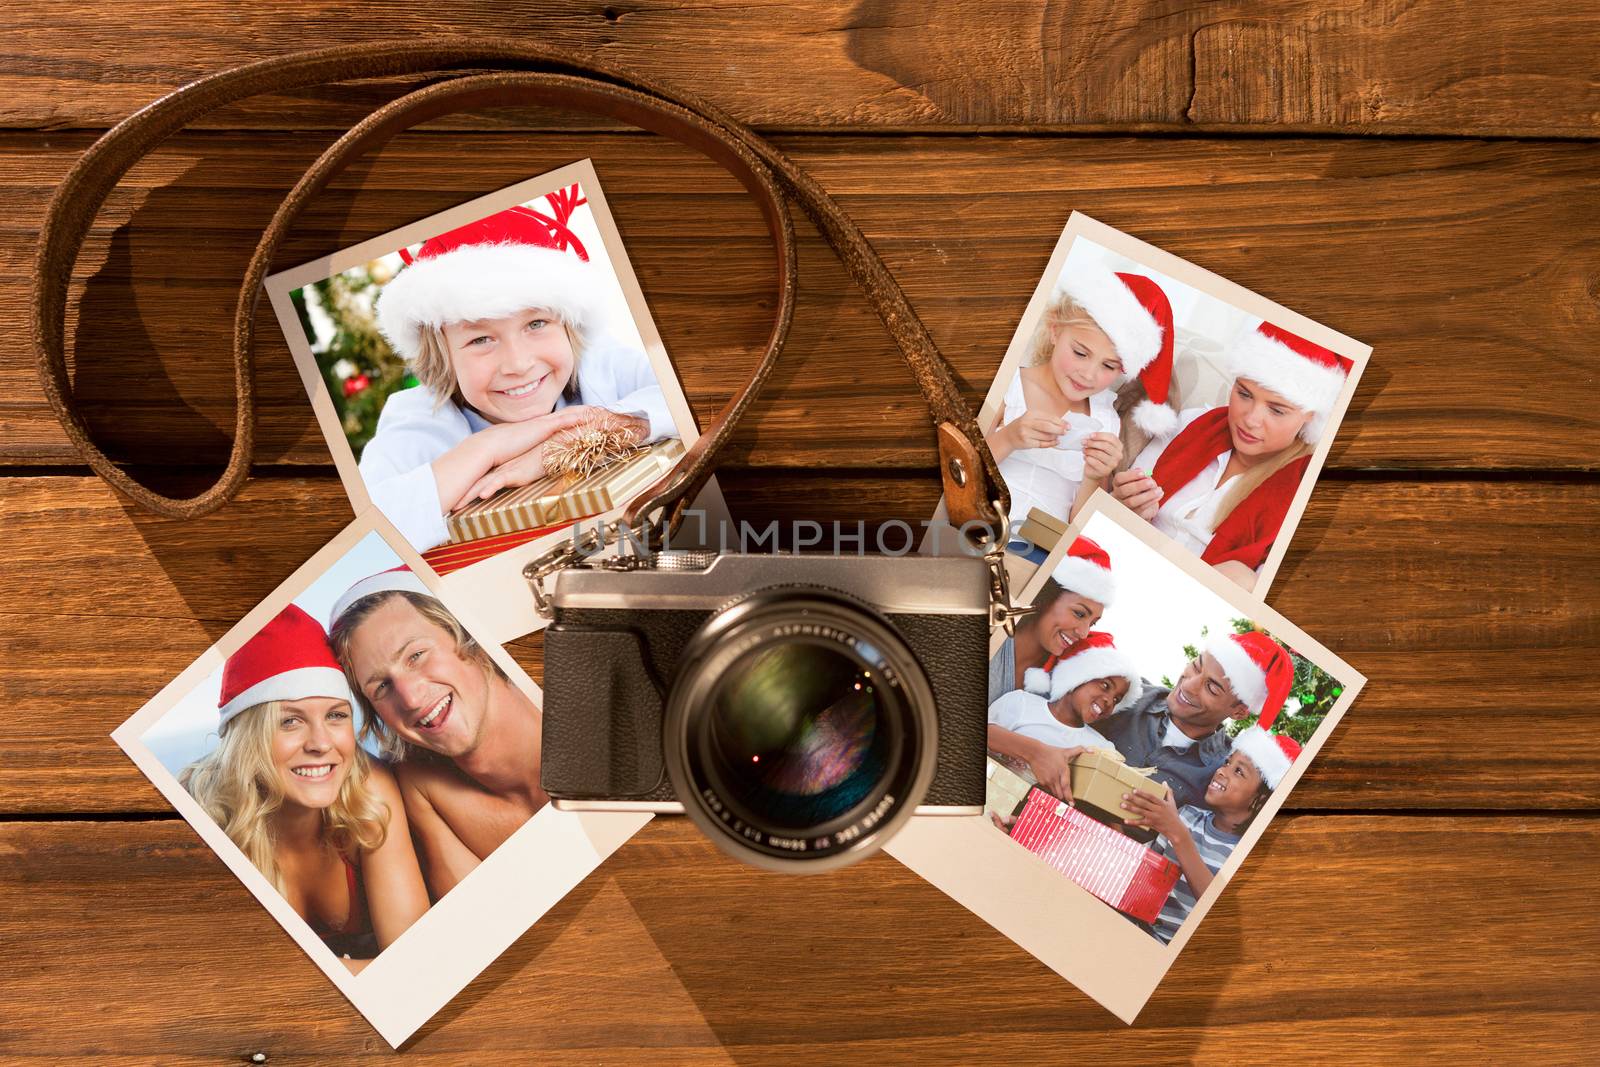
1002	611
577	549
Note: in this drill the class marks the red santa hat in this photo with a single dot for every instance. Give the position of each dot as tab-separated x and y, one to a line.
508	262
1304	373
1095	656
395	580
1259	669
1086	570
1273	754
288	659
1133	311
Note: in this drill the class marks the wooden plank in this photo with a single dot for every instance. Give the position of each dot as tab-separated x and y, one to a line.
1347	66
1445	256
141	922
100	607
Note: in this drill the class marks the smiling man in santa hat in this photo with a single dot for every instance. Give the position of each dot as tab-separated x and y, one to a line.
1179	731
463	738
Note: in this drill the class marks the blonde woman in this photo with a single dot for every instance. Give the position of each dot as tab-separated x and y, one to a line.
1060	435
499	320
1222	486
293	790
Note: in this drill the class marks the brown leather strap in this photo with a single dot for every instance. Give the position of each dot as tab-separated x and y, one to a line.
534	73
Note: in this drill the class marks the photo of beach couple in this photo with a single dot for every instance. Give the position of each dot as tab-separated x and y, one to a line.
1139	722
361	750
1198	405
491	375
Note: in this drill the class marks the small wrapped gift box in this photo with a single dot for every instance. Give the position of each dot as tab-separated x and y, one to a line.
1101	778
1120	871
562	499
1005	791
1042	529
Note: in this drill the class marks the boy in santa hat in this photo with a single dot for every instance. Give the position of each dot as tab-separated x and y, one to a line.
500	320
1201	838
1058	438
1223	483
1179	731
1055	709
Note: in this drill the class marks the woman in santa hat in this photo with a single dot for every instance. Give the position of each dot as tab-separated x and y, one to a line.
1058	438
306	805
500	320
1054	709
1223	484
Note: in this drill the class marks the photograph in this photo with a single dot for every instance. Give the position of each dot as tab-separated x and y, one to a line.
489	376
1203	407
1146	720
364	762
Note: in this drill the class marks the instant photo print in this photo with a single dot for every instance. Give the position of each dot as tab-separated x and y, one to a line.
1146	722
297	745
1208	409
489	377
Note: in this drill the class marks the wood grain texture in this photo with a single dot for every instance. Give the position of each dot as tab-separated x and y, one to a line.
101	608
1384	934
1446	257
1366	66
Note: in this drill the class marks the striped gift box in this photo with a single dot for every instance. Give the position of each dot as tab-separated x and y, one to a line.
558	499
1125	874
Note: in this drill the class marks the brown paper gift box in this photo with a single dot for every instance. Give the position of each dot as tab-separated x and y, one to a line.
1006	789
1101	778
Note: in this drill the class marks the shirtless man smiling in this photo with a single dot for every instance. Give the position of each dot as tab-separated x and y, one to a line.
464	740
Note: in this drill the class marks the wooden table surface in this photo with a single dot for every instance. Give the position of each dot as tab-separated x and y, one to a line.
1420	176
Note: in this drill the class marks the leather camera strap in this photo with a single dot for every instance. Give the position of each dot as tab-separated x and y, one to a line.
520	73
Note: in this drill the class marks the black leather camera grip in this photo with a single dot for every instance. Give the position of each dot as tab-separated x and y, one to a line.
524	71
608	745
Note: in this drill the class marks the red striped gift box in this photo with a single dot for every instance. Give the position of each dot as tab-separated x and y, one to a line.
1125	874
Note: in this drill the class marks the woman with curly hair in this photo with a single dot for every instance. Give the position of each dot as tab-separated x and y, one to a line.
290	786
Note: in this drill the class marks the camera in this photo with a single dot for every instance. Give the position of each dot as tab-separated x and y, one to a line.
799	708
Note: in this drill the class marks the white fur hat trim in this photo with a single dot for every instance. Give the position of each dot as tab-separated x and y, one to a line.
296	684
1036	680
1248	680
1301	381
1094	663
484	282
1086	579
1133	330
1257	746
383	582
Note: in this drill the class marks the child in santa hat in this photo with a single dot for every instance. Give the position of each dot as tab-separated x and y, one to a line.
1054	708
500	321
1223	483
292	788
1058	438
1200	839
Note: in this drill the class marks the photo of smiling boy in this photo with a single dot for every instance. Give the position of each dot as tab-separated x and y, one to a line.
463	741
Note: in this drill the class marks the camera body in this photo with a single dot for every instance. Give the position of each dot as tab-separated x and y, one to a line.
861	680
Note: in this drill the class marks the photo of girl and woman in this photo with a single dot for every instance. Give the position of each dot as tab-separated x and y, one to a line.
361	750
501	345
1138	718
1197	404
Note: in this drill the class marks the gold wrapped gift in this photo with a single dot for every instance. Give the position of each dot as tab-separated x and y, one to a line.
1006	789
561	498
1101	777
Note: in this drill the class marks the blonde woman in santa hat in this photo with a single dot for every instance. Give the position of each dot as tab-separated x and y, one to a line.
500	320
1066	608
306	805
1223	483
1058	438
1047	721
1200	839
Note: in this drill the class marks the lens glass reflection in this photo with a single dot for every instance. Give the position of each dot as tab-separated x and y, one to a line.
798	733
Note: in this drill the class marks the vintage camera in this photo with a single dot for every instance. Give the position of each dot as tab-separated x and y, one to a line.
799	708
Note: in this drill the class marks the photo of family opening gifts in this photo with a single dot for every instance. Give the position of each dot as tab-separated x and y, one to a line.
1204	408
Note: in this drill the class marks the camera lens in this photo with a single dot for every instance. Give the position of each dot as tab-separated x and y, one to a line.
800	731
796	734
